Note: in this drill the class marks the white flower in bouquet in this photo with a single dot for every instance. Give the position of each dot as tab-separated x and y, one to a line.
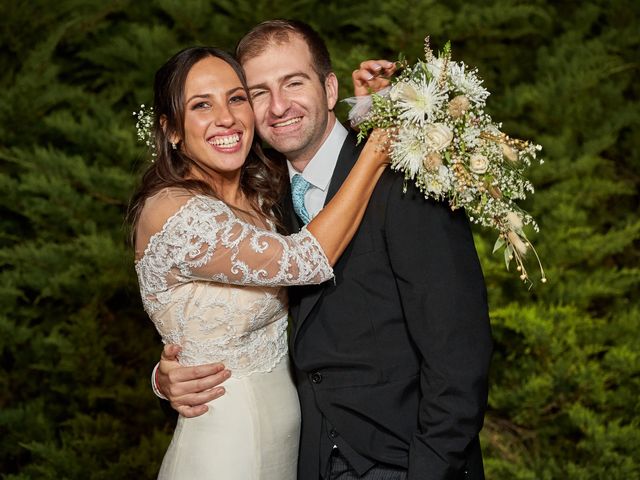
467	83
458	106
403	91
516	241
515	221
470	136
435	66
478	163
439	183
438	136
409	150
418	101
450	147
509	153
432	161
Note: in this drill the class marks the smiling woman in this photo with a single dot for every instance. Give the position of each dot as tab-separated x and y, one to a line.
218	125
212	269
200	100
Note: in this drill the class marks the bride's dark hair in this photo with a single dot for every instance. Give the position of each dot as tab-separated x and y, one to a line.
262	179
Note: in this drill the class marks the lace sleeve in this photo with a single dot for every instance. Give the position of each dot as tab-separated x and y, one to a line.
205	240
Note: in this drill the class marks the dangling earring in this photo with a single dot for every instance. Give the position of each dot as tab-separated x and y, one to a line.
174	145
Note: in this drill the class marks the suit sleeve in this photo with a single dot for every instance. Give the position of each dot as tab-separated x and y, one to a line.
444	299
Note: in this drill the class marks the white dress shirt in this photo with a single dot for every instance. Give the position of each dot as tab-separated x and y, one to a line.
319	170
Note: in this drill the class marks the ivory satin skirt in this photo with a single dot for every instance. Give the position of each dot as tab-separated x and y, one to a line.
250	433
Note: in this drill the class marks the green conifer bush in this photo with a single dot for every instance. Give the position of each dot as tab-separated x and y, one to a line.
76	348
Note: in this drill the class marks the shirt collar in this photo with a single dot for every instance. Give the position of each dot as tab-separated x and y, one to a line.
320	168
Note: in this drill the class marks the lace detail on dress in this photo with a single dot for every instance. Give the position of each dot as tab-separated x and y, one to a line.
243	327
211	283
204	240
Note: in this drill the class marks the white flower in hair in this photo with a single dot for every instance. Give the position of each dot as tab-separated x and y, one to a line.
144	128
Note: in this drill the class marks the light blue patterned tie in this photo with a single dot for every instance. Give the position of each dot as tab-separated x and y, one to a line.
299	187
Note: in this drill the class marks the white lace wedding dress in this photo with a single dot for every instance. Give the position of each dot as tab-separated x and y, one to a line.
213	283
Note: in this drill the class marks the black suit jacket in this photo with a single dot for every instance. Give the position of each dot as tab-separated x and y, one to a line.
391	358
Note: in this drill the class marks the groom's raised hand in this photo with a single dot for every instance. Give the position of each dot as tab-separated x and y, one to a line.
189	389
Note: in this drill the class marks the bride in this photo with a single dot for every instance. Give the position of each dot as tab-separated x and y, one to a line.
212	267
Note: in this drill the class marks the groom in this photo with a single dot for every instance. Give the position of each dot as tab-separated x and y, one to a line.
391	359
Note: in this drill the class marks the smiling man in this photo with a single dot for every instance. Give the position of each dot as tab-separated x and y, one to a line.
391	360
292	96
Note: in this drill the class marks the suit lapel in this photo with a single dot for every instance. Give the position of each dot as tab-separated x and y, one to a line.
346	159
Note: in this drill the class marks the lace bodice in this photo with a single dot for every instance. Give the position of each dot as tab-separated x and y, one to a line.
212	282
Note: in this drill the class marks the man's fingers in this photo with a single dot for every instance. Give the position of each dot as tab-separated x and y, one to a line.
195	404
170	352
204	379
187	374
200	398
191	412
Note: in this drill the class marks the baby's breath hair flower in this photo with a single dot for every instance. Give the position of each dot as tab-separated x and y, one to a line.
144	128
450	147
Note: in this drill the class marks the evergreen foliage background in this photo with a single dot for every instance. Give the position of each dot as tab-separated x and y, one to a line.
76	348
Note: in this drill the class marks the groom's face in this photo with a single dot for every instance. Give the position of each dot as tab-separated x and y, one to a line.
291	104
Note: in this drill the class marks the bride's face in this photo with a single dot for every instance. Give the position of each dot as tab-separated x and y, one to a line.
218	119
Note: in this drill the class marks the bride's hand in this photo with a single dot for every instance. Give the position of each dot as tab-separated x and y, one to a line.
372	76
378	144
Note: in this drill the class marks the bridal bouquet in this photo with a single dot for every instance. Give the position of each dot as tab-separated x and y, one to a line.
447	144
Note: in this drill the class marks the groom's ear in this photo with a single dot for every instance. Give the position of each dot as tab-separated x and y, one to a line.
331	90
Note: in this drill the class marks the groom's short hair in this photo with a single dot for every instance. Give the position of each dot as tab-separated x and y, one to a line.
277	32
